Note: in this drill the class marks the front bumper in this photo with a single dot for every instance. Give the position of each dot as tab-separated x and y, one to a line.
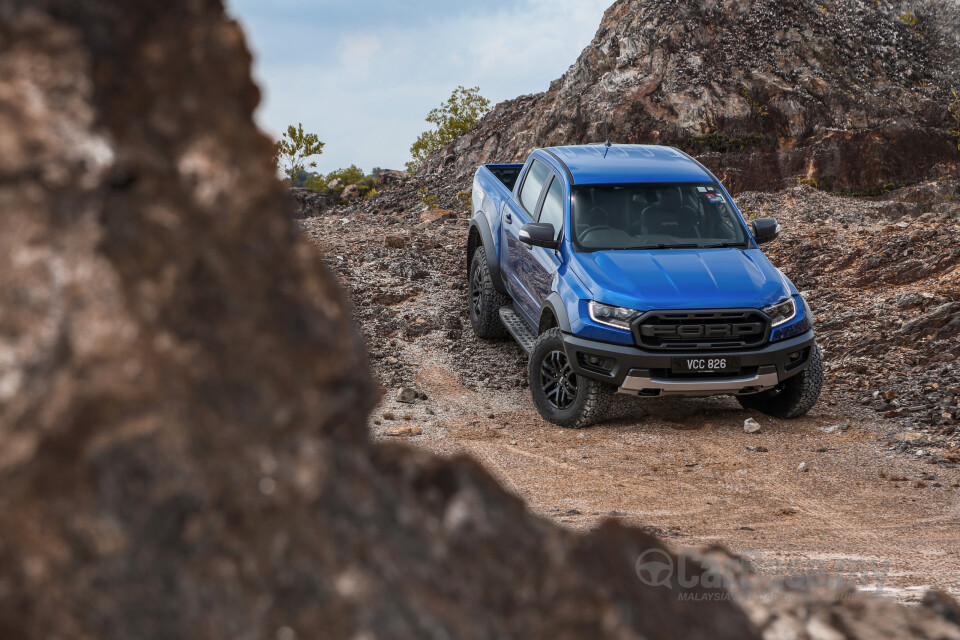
641	372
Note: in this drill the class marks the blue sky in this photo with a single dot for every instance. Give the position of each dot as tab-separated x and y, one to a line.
363	74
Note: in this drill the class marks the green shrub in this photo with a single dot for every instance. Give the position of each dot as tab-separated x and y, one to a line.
458	114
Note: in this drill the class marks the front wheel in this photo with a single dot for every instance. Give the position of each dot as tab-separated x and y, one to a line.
561	396
794	397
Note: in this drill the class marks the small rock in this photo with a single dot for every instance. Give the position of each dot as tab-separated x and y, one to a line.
758	449
802	467
747	529
751	426
395	242
403	431
573	512
833	428
406	395
434	216
513	442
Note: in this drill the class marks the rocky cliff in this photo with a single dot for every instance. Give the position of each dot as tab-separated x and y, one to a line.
848	95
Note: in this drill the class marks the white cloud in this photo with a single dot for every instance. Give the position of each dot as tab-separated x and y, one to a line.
358	49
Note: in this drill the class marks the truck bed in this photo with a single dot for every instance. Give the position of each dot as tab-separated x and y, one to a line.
506	173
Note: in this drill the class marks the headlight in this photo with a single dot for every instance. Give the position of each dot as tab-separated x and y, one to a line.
782	312
618	317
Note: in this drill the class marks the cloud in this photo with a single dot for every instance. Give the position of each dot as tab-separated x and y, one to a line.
366	85
358	49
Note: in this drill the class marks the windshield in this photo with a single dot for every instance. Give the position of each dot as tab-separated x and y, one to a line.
653	216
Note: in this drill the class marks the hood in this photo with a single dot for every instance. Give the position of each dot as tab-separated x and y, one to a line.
682	278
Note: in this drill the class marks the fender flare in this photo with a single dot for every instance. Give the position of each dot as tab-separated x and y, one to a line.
555	304
480	223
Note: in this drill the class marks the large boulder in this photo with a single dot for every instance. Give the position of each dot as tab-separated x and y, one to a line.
848	96
391	178
310	204
350	193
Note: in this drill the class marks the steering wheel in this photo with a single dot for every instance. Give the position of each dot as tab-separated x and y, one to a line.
587	233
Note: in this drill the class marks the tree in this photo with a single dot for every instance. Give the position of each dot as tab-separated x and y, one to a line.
351	175
293	149
459	113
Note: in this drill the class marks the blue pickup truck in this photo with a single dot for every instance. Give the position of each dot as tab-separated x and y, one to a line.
629	268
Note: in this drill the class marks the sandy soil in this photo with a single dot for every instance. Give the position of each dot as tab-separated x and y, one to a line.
682	468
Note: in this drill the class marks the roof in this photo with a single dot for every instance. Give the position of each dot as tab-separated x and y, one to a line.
623	163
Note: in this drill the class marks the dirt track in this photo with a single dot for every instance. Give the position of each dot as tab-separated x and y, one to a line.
682	468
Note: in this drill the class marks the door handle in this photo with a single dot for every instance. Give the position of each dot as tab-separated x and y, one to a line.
508	218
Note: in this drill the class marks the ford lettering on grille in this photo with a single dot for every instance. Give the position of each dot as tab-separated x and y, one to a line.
694	331
701	329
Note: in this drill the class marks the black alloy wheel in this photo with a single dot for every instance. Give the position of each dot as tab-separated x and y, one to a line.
558	381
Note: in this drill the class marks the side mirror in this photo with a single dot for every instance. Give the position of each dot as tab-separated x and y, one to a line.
539	234
764	230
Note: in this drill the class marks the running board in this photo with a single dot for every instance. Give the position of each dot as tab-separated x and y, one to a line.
518	328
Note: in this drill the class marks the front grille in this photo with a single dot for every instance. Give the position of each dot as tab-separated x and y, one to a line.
701	329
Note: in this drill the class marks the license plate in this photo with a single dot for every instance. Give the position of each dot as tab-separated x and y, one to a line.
700	364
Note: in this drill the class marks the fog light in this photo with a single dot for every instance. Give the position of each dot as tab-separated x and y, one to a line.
796	355
596	363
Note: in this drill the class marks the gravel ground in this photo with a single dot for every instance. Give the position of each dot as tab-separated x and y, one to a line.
880	489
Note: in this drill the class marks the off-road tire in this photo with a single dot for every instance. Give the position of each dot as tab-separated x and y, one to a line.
794	397
484	300
590	400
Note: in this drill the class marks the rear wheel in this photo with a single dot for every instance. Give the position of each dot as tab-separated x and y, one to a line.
561	396
795	396
485	301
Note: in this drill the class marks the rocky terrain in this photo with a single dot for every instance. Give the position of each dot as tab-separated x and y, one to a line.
764	92
185	394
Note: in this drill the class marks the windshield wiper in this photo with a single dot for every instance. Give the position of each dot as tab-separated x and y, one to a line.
724	245
667	246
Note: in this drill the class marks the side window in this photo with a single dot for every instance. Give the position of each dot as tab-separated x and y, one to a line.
552	211
533	186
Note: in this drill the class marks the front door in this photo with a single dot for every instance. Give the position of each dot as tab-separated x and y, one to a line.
517	261
542	268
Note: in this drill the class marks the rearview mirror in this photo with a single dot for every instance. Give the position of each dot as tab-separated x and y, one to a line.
539	234
764	230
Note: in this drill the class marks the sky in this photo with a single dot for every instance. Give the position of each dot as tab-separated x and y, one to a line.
363	74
